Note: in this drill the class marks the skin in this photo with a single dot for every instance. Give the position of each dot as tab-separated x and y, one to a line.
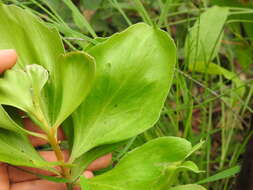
12	178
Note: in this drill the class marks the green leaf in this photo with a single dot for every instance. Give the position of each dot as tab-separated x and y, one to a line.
17	150
72	82
188	187
203	41
189	165
21	88
133	76
141	168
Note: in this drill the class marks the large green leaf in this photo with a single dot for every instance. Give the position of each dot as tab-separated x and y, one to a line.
133	75
70	75
142	168
203	41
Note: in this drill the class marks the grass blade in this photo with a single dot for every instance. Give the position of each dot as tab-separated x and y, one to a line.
79	19
143	13
221	175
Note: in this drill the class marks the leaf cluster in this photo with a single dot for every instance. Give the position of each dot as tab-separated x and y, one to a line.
101	96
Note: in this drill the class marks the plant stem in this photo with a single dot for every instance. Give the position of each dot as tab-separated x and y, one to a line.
52	138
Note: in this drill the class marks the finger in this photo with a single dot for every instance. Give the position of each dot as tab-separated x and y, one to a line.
43	184
38	185
4	178
29	125
8	58
100	163
88	174
17	175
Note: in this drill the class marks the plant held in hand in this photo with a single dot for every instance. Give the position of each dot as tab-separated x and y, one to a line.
101	96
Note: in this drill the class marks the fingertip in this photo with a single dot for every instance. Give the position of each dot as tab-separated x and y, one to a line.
88	174
8	59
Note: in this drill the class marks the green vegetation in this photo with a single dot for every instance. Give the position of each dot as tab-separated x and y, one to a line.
120	67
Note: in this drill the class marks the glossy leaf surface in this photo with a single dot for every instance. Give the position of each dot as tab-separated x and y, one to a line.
133	76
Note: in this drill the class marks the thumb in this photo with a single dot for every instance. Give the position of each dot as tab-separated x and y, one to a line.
8	58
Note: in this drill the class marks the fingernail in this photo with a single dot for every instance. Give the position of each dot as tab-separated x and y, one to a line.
8	51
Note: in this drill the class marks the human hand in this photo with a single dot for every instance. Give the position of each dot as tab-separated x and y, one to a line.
12	178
